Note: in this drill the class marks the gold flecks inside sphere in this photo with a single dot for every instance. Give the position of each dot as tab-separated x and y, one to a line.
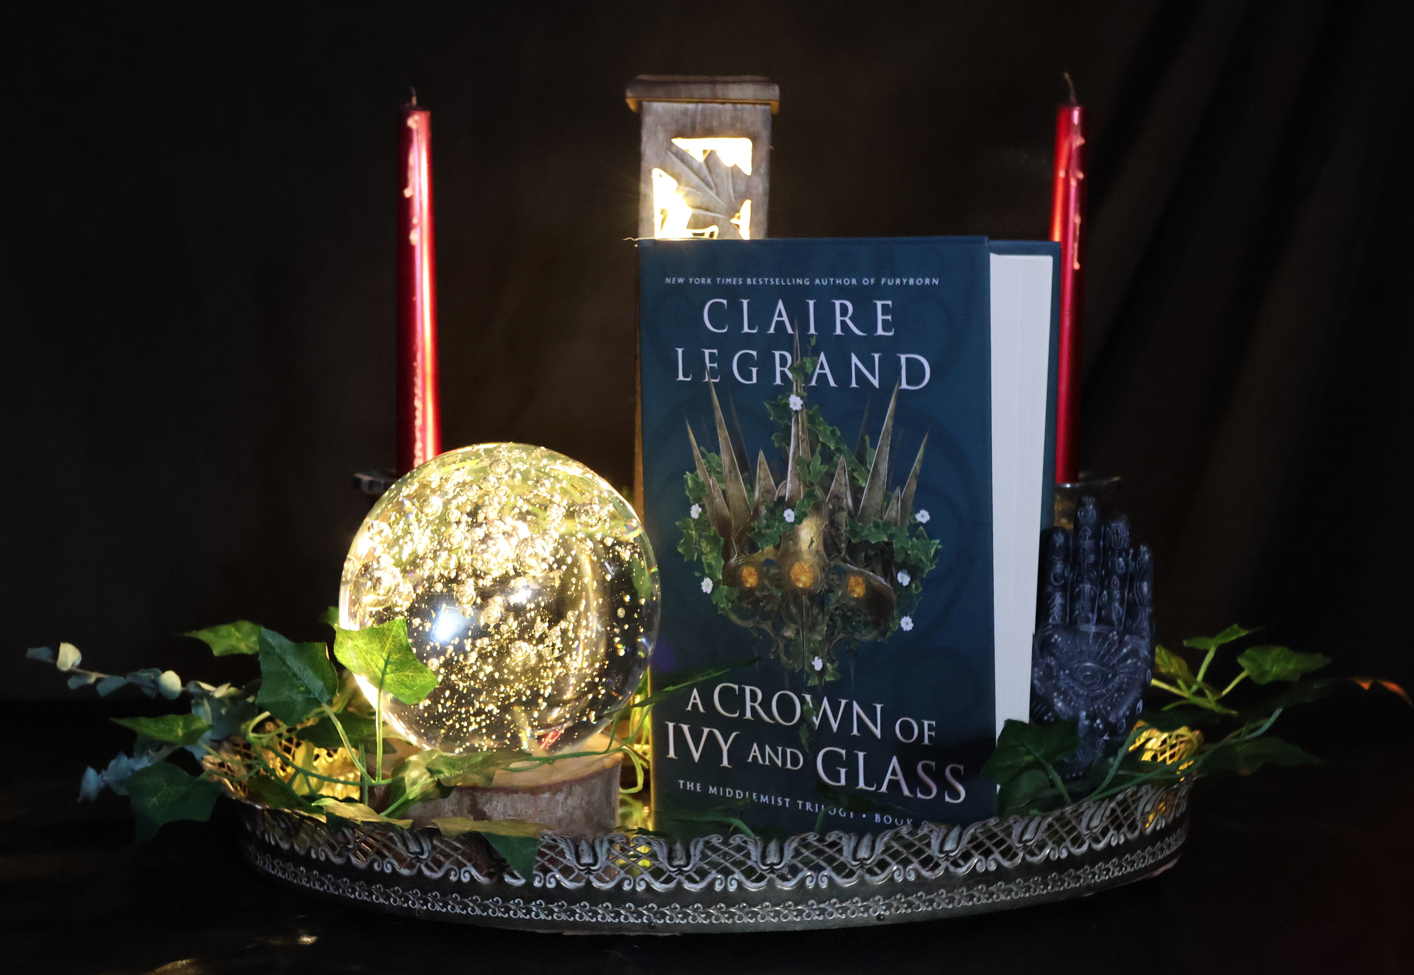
528	586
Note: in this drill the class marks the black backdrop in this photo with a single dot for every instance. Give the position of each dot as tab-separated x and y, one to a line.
196	274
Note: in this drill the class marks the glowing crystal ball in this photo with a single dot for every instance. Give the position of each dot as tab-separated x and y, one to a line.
528	586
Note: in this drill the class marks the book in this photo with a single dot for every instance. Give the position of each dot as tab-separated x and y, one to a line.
846	449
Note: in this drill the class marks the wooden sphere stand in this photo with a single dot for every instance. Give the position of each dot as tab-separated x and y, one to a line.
576	797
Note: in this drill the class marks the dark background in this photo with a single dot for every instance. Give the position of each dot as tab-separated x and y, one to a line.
197	207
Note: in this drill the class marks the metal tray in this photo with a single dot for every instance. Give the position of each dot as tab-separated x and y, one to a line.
619	884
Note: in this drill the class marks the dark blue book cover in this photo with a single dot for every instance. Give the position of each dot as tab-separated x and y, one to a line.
817	448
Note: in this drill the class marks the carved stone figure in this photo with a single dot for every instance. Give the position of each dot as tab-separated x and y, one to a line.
1093	651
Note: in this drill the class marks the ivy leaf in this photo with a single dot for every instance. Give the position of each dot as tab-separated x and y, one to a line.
411	780
242	636
276	793
175	729
477	768
710	544
382	655
1170	664
1246	756
431	770
330	616
295	677
687	545
1266	664
452	826
323	734
768	531
643	577
1233	632
348	694
695	487
1304	692
724	597
874	531
668	811
69	657
520	852
355	811
162	793
1016	796
517	841
1022	747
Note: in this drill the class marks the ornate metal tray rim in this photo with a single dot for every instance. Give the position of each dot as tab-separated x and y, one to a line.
618	883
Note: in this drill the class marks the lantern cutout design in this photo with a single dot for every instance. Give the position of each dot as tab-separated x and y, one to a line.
705	167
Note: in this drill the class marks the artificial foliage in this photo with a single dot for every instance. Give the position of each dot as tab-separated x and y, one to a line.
1196	728
301	736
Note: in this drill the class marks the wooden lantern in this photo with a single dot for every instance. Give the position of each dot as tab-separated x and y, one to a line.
706	155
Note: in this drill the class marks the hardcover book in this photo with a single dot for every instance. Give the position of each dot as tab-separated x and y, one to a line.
846	448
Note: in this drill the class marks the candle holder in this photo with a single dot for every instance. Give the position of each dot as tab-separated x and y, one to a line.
374	483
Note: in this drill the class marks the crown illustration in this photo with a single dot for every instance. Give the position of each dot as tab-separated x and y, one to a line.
821	560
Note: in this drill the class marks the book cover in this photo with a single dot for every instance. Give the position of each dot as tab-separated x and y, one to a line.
817	453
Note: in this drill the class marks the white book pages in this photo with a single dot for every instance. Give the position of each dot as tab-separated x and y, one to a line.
1021	326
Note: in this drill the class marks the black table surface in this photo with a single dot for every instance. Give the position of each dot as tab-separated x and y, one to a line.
1291	870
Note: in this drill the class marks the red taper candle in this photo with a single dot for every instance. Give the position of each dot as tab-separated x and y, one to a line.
419	409
1068	229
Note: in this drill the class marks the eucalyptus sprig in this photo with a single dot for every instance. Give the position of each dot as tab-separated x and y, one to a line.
1220	736
262	737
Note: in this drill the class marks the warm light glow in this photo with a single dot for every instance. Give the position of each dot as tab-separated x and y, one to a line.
802	574
856	586
673	213
1170	747
750	577
528	587
742	221
732	152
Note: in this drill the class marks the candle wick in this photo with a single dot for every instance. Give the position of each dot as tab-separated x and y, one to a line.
414	95
1068	83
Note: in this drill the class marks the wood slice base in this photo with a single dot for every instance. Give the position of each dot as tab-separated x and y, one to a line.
577	797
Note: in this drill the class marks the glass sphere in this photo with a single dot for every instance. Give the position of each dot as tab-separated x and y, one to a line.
528	586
